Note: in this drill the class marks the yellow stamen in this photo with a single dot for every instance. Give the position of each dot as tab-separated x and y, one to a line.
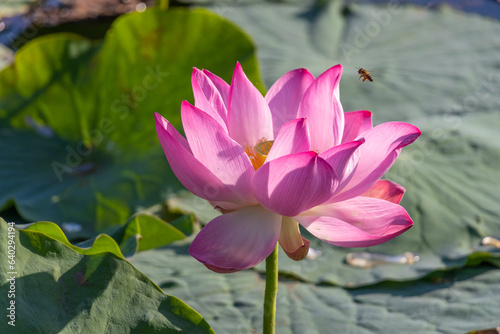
259	152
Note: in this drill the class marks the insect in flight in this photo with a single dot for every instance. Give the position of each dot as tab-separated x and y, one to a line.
364	74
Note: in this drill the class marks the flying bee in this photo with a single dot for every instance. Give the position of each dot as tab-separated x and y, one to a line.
364	74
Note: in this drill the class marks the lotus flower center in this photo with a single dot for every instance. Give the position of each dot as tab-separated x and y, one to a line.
259	152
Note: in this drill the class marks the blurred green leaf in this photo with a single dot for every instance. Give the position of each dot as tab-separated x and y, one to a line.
144	232
451	302
77	136
185	224
186	202
93	293
139	233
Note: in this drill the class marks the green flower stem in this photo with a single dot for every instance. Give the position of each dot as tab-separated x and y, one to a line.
161	4
271	292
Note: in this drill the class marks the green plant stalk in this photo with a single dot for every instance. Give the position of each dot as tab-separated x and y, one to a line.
271	292
161	4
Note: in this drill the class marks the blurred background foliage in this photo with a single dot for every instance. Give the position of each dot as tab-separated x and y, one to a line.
79	86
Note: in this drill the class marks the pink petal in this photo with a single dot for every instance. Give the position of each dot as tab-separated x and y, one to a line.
291	241
386	190
191	172
382	146
343	159
285	95
292	138
221	85
237	240
293	183
356	123
249	118
213	147
208	98
163	128
323	111
358	222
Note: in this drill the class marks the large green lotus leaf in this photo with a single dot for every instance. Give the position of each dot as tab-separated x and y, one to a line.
77	136
72	291
454	302
423	61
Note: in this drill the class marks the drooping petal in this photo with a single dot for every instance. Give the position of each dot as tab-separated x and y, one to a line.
386	190
291	241
323	111
292	138
382	146
192	173
249	117
294	183
163	127
285	95
356	123
237	240
208	98
343	159
221	85
358	222
213	147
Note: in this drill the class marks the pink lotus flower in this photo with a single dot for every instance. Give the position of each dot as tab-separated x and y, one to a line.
292	157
